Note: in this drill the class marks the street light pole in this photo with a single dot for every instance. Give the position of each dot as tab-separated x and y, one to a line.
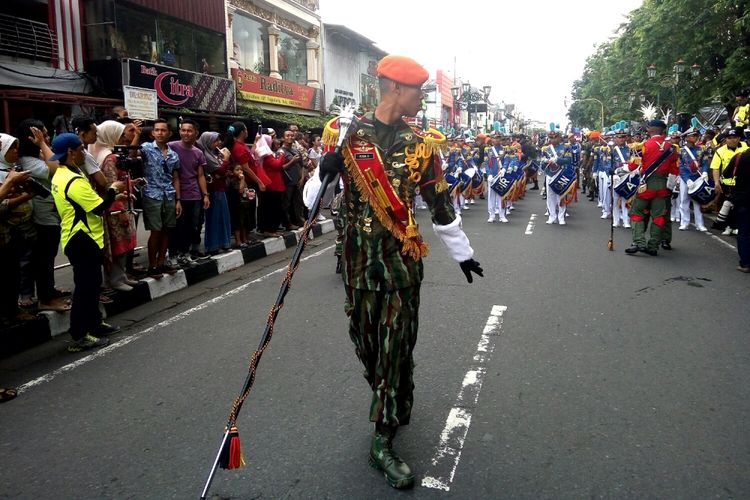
600	104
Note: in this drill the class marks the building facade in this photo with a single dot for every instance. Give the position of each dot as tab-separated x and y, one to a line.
349	64
275	54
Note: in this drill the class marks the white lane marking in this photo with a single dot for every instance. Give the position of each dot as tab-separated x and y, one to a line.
125	341
713	236
448	452
531	224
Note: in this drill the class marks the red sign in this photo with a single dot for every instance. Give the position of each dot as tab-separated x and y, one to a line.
254	87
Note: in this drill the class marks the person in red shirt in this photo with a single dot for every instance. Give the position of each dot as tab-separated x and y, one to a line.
658	168
271	216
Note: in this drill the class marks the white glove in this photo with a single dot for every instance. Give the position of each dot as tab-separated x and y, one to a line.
616	179
489	179
672	181
455	240
690	184
705	176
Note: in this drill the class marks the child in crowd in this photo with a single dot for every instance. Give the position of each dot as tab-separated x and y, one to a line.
241	200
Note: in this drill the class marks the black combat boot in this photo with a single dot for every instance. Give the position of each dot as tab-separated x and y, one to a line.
383	458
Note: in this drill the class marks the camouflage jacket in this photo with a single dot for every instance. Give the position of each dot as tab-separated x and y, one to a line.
372	256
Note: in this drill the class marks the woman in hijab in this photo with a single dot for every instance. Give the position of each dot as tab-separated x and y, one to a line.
218	227
120	233
17	236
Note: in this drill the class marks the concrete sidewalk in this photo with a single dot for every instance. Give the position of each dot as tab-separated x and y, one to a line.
48	324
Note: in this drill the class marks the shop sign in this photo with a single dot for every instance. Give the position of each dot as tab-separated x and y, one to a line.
185	89
141	103
260	88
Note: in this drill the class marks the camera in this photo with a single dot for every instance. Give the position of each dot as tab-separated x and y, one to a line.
132	165
33	185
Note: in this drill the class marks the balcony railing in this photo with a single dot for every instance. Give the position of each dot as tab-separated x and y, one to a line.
26	39
313	5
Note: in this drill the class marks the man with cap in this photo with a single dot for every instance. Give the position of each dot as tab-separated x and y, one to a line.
693	166
82	239
722	175
555	156
382	164
659	162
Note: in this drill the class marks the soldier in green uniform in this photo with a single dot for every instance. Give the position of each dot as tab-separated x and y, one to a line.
382	165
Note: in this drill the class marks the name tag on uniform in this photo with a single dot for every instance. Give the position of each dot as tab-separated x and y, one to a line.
364	156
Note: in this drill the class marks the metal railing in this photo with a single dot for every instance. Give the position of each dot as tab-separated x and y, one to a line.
26	39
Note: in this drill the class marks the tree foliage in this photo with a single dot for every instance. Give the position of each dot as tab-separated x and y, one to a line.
715	35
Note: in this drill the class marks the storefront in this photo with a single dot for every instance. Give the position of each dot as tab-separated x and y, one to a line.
274	57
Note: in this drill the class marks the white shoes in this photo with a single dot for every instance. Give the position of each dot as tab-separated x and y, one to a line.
321	217
551	220
727	231
604	216
627	226
561	221
735	231
683	228
471	201
503	219
702	229
616	225
491	219
122	287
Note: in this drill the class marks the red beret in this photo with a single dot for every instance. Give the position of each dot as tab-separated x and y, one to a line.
404	70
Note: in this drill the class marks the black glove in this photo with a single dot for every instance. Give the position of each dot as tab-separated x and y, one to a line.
470	265
611	172
333	163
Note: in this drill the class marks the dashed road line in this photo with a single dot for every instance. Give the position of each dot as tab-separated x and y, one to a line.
448	452
530	225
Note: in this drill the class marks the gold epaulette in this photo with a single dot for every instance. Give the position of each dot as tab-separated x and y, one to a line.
433	138
330	133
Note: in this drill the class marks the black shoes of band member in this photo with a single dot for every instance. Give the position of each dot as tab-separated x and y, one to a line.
634	249
105	329
650	251
87	342
666	245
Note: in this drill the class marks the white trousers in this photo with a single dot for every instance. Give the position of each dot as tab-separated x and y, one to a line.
685	202
493	199
554	209
620	213
605	196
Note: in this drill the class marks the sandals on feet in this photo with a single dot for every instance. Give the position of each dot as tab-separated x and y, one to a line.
7	393
28	302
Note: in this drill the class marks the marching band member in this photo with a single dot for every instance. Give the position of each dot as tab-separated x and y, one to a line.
620	157
382	164
554	156
603	165
495	155
693	165
658	164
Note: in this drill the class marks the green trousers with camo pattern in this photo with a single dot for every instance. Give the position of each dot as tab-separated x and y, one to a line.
383	327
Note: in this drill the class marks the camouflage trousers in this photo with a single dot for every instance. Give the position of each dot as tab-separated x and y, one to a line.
640	212
383	327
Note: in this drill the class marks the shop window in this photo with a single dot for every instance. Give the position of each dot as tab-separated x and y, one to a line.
250	49
292	58
117	32
368	91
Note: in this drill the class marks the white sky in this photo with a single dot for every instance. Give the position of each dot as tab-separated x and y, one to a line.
530	52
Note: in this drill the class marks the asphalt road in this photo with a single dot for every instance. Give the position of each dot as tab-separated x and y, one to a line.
601	376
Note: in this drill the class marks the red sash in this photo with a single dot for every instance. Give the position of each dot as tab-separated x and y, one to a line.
365	167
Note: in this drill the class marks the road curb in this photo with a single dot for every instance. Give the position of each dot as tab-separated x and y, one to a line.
50	324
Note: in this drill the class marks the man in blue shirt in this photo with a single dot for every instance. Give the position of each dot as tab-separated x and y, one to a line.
160	211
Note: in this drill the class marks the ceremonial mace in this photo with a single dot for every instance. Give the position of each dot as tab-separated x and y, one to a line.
229	455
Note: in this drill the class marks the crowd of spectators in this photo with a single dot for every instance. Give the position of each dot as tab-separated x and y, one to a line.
198	194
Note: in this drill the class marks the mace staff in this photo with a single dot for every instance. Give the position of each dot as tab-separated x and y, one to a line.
229	455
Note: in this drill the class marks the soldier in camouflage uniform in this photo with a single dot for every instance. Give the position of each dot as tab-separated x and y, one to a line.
382	252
